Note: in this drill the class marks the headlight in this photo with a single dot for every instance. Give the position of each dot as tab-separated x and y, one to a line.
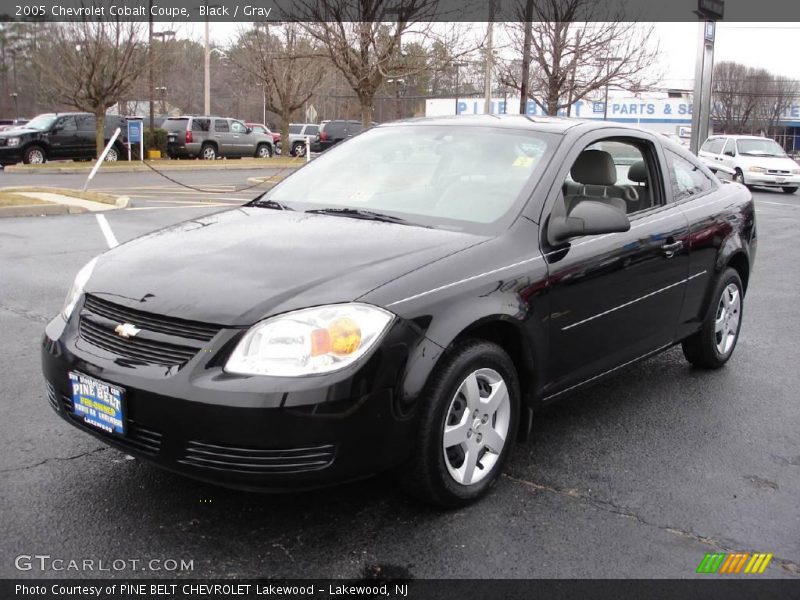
795	171
76	290
12	142
757	169
313	340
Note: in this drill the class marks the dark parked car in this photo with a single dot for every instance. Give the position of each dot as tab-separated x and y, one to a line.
430	284
59	136
214	137
333	132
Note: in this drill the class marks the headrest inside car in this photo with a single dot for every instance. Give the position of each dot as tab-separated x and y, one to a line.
594	167
638	172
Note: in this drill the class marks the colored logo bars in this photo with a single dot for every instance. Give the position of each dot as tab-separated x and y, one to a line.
736	562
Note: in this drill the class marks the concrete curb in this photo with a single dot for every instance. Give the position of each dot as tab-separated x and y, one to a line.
226	165
39	210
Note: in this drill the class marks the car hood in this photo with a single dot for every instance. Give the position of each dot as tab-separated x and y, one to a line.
236	267
17	130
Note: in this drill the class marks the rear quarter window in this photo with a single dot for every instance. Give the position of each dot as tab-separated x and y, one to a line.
201	124
175	124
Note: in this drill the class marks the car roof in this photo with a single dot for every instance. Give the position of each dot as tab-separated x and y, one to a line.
534	123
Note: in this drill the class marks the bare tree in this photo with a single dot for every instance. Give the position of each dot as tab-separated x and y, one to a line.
91	65
286	62
749	99
363	39
577	48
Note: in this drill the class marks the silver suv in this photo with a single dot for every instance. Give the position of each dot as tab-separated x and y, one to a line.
213	137
298	133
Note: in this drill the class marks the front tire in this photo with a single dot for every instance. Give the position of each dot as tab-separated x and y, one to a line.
264	151
208	152
34	155
713	345
789	190
467	426
299	149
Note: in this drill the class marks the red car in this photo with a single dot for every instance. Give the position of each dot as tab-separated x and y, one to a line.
261	128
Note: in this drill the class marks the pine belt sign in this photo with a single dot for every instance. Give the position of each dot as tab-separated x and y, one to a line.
626	110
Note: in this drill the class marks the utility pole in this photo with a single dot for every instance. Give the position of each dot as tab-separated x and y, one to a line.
150	81
206	74
526	58
487	74
709	11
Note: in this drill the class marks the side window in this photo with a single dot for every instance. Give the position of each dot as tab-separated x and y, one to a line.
618	171
87	122
221	126
237	127
715	145
687	178
67	124
201	124
728	150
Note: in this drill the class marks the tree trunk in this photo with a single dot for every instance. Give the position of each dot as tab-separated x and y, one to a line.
367	108
286	116
99	131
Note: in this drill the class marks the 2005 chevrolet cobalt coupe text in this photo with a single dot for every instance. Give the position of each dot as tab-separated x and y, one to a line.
406	301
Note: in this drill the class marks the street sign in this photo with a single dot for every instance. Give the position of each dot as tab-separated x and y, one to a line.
311	114
135	136
134	132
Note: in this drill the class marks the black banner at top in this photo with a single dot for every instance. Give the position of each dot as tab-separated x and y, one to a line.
274	11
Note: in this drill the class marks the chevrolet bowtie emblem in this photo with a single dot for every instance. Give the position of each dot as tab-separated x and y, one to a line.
126	330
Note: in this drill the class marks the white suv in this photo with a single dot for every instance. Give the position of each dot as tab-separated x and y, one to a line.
751	160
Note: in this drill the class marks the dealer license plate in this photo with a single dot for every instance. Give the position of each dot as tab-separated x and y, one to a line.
97	403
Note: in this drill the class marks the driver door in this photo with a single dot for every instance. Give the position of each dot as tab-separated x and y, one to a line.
614	297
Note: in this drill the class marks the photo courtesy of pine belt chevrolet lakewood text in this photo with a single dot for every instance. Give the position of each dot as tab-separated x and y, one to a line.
406	301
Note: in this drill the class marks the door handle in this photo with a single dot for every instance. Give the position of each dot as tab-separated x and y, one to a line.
671	248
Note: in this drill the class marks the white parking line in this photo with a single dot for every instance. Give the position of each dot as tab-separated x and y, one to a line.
111	239
205	205
778	203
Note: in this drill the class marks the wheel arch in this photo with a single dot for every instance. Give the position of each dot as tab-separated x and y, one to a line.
39	144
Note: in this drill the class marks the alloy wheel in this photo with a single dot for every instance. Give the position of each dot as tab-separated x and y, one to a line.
726	324
209	153
112	155
476	426
36	157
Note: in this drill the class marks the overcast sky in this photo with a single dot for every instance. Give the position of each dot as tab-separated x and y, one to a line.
773	46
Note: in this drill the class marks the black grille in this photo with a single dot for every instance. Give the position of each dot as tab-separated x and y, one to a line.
137	437
257	460
3	141
777	172
160	341
149	321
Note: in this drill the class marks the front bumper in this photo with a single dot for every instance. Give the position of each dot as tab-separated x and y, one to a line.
10	155
259	433
770	180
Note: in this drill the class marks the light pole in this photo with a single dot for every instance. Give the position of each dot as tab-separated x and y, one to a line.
162	35
207	63
608	61
14	95
458	66
162	90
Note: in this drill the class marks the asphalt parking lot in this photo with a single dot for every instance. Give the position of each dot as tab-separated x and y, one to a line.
637	477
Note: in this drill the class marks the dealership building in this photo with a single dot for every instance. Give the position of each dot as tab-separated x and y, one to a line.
665	115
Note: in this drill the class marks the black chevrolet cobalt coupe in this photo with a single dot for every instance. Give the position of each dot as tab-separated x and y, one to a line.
405	301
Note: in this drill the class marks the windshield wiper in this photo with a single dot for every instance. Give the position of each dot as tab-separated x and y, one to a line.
258	202
357	213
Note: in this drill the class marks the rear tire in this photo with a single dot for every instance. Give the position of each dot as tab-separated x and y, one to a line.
713	345
789	190
468	422
208	152
34	155
113	154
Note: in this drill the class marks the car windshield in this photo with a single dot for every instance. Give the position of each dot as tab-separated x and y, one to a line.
41	122
760	148
462	178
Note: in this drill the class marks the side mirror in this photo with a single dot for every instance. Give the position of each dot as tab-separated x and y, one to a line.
248	130
588	218
56	128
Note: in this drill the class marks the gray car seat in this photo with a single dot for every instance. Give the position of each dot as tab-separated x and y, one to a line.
596	175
